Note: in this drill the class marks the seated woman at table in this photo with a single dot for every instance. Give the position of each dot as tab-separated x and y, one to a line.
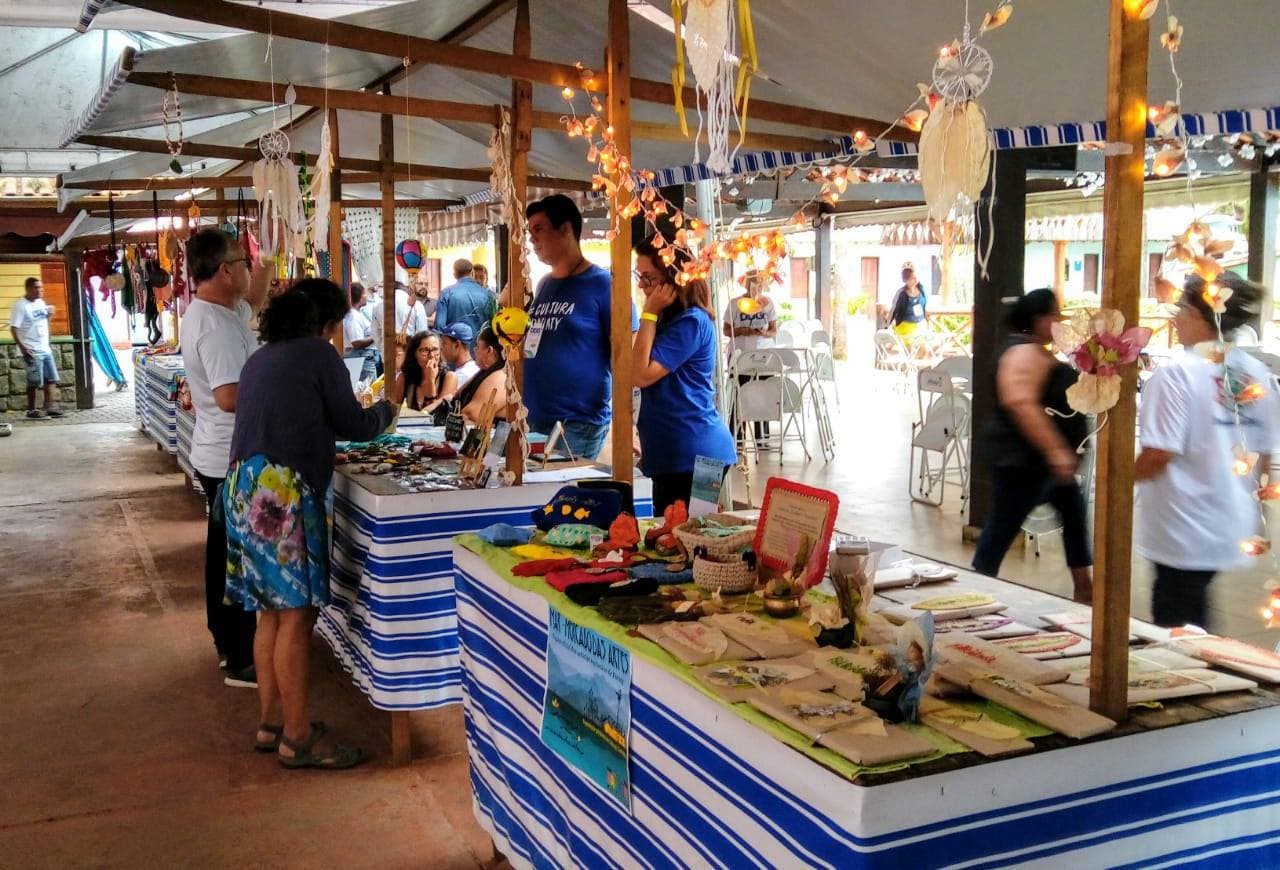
673	363
423	380
489	383
294	402
1032	454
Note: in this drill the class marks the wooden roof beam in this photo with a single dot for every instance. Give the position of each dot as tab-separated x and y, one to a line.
421	50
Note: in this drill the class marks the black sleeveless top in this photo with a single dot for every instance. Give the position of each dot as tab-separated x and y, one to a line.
1006	444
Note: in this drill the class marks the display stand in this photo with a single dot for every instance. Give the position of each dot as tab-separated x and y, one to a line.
155	396
710	788
392	623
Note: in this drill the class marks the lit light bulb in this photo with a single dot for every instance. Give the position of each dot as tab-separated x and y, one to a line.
1255	546
1270	492
567	93
1166	162
1251	393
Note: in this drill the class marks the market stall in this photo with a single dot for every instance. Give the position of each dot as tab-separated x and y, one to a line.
155	379
393	620
723	784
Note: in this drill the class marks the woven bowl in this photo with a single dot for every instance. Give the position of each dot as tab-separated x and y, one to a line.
729	574
731	545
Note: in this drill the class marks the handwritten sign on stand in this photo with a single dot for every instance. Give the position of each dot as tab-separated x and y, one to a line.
792	515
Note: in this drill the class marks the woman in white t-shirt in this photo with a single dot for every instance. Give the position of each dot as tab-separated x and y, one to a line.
1193	509
751	320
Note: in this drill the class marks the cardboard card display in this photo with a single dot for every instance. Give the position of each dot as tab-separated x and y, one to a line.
851	668
1234	655
793	513
912	573
737	680
972	728
963	658
1143	661
843	726
1160	685
1079	620
767	639
694	643
1047	644
1041	706
987	626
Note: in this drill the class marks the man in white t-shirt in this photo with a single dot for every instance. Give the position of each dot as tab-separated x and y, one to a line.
29	323
1193	508
455	347
751	320
357	334
411	318
216	342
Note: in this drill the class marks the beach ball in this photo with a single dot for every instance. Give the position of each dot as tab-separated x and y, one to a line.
409	255
510	325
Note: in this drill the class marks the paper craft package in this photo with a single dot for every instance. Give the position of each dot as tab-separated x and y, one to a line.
738	681
972	729
944	601
1041	706
767	639
1234	655
1143	661
1160	685
843	726
1047	645
695	643
962	658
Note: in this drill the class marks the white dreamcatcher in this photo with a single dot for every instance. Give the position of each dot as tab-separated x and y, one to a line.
955	142
717	37
282	220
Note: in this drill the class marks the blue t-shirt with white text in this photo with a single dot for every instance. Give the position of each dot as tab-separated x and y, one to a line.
678	417
569	375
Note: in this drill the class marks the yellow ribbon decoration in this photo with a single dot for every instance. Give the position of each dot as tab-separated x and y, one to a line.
748	64
677	71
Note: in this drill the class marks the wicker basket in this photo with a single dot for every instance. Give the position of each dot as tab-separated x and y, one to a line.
729	574
731	545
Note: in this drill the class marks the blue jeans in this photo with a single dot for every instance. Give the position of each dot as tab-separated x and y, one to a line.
584	440
41	372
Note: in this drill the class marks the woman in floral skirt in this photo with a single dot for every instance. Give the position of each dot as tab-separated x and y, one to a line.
294	401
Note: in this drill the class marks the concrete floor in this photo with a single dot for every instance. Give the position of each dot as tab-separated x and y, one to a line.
119	744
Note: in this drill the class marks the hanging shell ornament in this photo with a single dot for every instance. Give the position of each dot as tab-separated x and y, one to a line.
1171	39
1148	9
955	157
914	120
997	17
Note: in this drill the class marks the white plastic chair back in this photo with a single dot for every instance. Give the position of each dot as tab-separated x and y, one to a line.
791	360
889	348
784	339
819	338
947	419
759	363
797	331
824	367
956	366
792	397
761	400
1246	336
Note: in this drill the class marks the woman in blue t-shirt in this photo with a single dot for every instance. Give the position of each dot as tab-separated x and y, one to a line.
673	364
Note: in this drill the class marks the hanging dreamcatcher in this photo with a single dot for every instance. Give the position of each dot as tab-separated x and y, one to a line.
281	220
718	38
321	191
955	142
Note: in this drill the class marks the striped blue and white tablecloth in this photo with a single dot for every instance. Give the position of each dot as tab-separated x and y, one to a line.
155	383
711	790
393	619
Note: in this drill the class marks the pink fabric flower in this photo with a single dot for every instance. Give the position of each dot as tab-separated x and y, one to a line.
267	515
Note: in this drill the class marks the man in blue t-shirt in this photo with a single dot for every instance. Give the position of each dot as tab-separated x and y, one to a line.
567	374
465	301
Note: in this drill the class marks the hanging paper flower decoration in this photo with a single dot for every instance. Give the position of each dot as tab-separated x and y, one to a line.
997	17
1098	344
1147	9
1172	36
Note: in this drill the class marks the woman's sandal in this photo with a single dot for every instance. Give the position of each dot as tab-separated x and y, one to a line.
273	744
341	758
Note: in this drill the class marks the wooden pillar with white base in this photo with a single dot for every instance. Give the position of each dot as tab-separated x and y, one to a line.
619	61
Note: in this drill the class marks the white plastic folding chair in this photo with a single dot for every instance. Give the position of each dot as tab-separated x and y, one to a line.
1044	520
892	357
796	330
822	368
939	442
820	338
958	368
769	396
784	339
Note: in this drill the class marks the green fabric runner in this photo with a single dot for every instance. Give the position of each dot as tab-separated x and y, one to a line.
502	561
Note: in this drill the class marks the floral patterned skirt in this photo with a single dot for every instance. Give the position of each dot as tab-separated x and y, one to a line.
277	538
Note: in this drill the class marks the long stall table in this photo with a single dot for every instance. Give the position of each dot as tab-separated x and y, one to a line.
709	787
155	391
392	623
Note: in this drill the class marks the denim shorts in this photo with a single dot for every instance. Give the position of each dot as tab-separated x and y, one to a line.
41	371
585	440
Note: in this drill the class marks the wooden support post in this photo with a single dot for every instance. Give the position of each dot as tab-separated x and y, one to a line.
1263	187
401	738
335	213
386	153
1059	269
518	162
619	64
1121	272
1007	230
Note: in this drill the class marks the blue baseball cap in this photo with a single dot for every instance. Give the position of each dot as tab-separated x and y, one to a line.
459	332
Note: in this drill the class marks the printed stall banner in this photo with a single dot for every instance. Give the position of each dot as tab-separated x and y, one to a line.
586	713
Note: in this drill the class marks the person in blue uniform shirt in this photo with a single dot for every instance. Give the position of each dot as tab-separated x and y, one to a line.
674	364
567	371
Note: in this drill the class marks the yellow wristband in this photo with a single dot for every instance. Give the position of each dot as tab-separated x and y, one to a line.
649	316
